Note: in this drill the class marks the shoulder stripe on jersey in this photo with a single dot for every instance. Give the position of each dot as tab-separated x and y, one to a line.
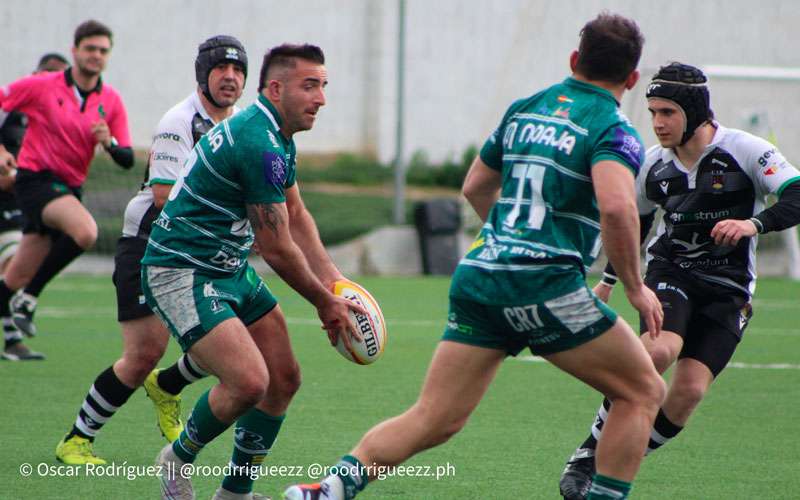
547	162
269	115
512	267
552	119
208	233
211	169
187	257
227	129
209	203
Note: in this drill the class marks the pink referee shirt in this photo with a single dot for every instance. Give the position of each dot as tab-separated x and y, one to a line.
59	136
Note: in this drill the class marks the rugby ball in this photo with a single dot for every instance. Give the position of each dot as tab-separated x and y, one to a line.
372	327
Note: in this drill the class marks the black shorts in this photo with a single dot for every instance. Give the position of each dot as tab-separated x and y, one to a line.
34	191
710	318
127	279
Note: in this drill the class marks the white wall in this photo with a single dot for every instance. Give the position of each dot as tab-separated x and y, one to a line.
466	59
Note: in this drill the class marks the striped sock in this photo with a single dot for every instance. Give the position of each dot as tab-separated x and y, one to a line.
663	431
608	488
599	422
105	397
353	475
182	373
254	436
11	334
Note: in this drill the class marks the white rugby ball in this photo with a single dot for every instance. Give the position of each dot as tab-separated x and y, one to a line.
372	327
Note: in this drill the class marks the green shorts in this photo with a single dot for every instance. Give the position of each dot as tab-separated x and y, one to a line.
192	303
547	327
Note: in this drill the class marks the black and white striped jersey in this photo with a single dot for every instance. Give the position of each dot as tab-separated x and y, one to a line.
730	181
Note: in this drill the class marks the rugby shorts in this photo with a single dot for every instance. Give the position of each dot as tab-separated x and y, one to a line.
34	191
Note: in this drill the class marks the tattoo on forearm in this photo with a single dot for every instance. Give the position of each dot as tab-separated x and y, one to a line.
264	215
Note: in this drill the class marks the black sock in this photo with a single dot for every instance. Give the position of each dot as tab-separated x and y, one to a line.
663	431
182	373
63	251
5	296
105	397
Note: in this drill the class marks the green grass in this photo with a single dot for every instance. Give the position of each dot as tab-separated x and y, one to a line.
740	444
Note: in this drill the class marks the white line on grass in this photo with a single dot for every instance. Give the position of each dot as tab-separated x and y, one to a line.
734	364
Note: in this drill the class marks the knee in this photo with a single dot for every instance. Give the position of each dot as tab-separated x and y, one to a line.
662	358
688	394
285	384
139	364
250	389
86	236
653	392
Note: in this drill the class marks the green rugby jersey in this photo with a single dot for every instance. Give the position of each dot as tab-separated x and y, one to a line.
242	160
546	222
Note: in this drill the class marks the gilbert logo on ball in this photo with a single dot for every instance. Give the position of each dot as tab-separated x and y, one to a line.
372	327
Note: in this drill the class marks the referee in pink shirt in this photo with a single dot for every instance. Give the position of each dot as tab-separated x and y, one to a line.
69	114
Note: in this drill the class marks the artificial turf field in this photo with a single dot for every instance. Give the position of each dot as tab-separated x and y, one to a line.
741	443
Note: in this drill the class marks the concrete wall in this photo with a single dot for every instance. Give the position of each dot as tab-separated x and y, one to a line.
466	59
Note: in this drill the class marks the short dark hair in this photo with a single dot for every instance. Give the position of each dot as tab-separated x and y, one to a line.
50	56
92	28
285	56
610	48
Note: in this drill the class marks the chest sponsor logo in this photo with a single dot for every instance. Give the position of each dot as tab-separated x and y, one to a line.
537	133
274	169
168	135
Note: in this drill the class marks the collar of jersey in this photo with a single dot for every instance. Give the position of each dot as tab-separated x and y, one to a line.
71	83
268	109
572	82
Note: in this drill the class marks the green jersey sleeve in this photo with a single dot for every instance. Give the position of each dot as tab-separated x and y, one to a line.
265	174
622	144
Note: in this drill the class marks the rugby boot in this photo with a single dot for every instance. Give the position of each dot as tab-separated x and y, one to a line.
174	486
15	350
316	491
168	407
577	476
22	306
77	450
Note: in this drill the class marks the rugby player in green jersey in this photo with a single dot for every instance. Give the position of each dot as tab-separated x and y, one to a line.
238	186
556	175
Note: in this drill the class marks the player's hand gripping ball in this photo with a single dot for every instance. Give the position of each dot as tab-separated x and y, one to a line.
372	327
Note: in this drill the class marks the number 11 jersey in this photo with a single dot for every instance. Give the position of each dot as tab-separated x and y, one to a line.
546	225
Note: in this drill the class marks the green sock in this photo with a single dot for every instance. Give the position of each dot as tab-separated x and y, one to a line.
254	435
604	487
201	428
353	475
